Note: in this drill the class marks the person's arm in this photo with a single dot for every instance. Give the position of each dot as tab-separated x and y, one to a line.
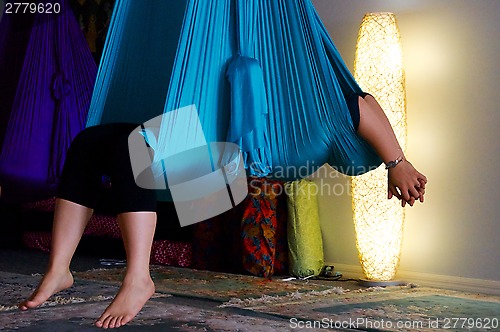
404	181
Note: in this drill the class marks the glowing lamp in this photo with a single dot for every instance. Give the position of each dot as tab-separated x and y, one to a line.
378	222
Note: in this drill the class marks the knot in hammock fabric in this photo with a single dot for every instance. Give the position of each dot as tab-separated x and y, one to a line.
61	86
248	124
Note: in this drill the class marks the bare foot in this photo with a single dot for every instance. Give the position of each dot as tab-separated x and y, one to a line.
131	297
51	283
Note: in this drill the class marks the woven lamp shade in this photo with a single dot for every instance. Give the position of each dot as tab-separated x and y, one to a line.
378	222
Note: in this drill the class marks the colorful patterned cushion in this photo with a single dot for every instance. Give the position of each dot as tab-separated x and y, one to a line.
46	205
37	240
102	225
263	228
217	243
164	252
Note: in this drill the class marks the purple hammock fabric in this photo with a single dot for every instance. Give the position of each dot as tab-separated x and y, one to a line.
14	37
49	103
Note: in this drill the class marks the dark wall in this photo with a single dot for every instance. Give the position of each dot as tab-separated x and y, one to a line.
94	17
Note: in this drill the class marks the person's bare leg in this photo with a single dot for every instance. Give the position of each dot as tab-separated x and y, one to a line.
137	230
70	220
376	129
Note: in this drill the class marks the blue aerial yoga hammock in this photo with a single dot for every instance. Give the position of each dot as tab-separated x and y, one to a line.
52	74
262	74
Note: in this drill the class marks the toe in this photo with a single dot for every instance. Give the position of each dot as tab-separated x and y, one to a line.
107	322
112	322
100	321
28	305
126	319
119	321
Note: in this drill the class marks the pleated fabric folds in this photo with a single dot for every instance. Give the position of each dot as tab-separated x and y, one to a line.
263	74
49	104
14	36
249	108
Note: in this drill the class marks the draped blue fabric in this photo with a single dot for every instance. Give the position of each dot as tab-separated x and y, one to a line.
264	74
137	61
249	108
49	103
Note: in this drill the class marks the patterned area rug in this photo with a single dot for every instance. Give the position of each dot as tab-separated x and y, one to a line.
16	287
391	309
210	285
159	314
191	300
77	308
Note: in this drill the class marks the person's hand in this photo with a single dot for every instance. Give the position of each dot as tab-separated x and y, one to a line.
406	183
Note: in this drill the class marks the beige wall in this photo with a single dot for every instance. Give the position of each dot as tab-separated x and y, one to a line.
452	55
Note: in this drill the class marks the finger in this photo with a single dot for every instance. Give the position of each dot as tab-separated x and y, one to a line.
414	193
421	190
412	201
422	177
389	189
421	198
405	194
394	191
403	203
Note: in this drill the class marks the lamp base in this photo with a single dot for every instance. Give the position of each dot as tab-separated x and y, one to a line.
375	283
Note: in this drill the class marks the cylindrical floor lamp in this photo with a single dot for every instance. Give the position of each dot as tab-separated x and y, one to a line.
378	222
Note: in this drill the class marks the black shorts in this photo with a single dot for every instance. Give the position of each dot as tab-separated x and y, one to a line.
353	105
103	151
